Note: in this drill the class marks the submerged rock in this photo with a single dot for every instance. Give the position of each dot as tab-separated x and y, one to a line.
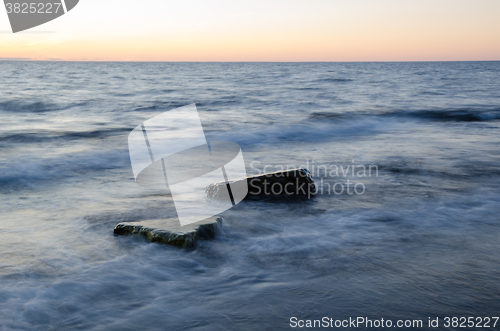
169	231
293	182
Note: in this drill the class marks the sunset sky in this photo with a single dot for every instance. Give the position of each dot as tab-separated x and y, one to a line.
257	30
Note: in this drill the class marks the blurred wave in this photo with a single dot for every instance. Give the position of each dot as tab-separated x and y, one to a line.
455	115
420	242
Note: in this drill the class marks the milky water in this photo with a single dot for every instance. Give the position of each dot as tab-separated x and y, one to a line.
421	241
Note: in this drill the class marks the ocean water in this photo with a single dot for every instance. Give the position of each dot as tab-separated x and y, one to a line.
418	239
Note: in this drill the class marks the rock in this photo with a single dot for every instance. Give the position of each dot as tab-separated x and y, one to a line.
169	231
294	182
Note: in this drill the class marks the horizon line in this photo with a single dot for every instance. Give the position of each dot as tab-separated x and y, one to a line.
7	59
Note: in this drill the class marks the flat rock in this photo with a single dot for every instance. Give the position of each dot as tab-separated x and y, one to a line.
293	182
169	231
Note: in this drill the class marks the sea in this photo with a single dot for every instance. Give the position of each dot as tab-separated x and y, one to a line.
405	225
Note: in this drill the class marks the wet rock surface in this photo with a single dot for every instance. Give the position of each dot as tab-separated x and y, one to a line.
169	231
279	184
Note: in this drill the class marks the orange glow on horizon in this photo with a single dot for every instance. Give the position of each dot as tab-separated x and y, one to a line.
396	32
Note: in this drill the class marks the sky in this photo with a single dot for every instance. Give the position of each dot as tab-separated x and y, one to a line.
263	30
